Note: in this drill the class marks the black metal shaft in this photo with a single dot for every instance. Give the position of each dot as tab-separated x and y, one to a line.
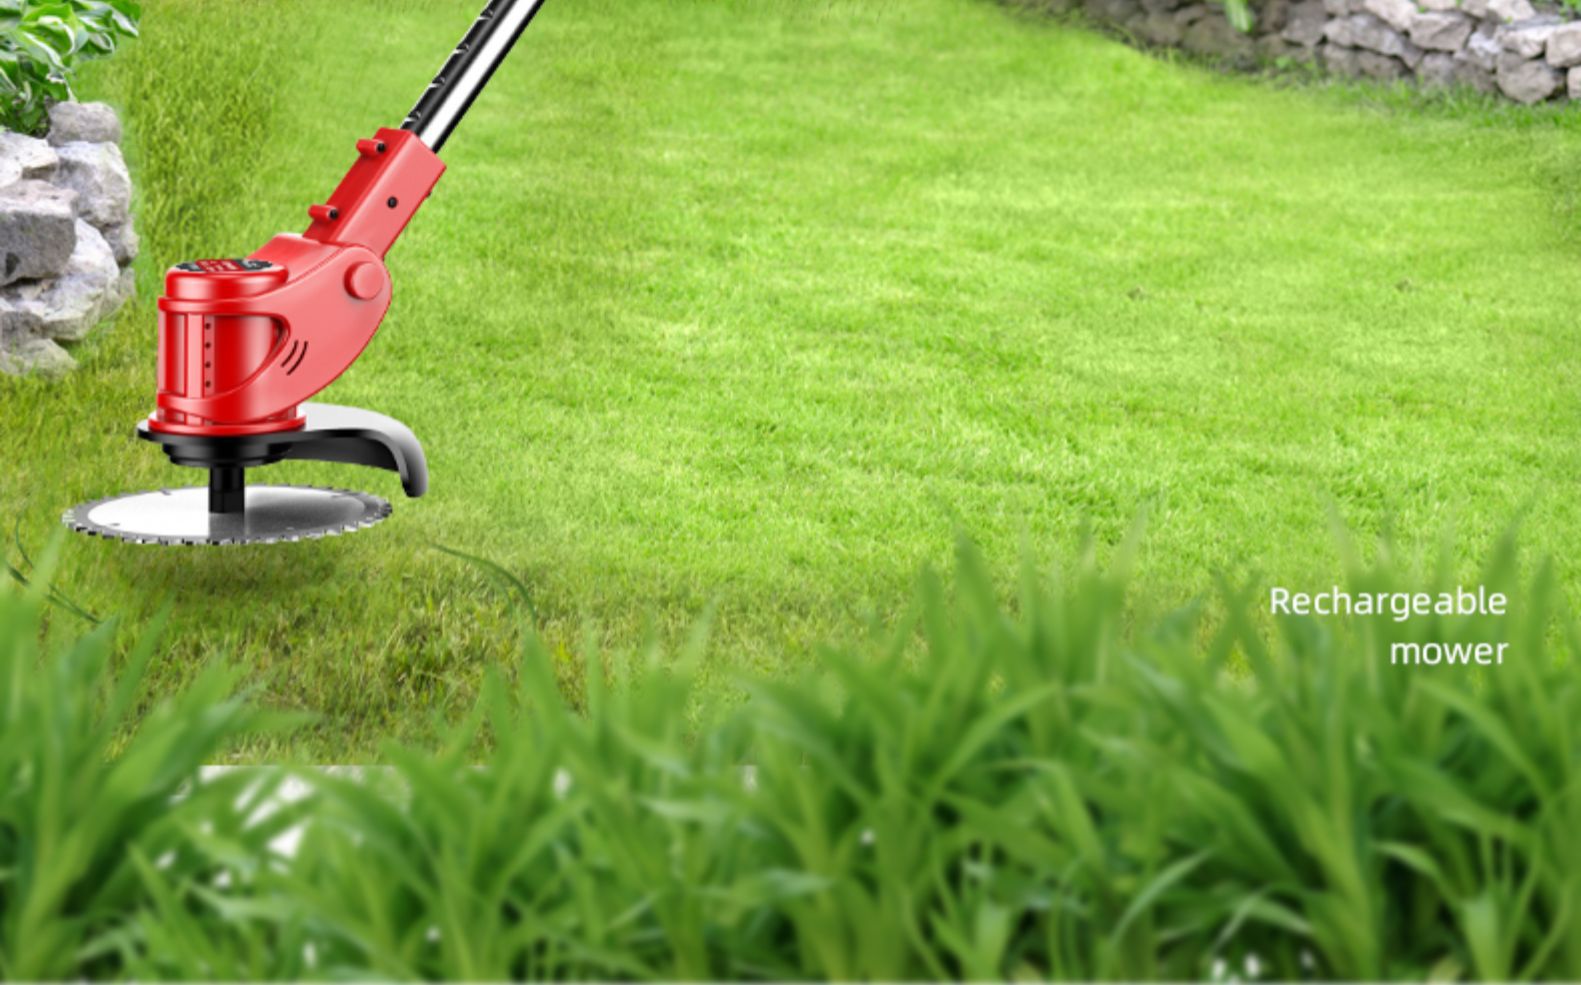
468	70
227	489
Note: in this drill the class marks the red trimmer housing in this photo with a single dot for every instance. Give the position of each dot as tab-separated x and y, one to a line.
242	343
245	343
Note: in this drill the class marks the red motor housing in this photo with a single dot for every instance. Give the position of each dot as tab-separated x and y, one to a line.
244	342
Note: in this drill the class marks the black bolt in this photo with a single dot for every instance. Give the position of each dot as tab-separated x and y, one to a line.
393	202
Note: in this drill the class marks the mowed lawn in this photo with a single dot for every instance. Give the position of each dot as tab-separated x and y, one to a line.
741	310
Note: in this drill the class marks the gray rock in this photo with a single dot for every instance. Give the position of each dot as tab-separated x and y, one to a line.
1528	38
23	157
1526	80
1367	31
1510	11
1160	29
1301	54
1573	83
97	173
40	356
1190	14
1564	45
1131	23
1471	73
1336	8
1437	70
1162	6
1271	47
1271	17
1439	5
12	330
1395	13
1340	31
93	123
124	242
69	306
1475	78
1214	37
1304	26
1339	60
1411	55
1382	67
1484	47
1475	8
38	230
1114	11
1472	76
1441	30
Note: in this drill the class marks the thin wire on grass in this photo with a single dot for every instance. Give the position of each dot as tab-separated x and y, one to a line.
53	595
511	583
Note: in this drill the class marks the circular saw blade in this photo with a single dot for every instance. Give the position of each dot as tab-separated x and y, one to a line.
274	514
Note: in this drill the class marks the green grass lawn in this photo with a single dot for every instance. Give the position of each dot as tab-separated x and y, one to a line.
746	307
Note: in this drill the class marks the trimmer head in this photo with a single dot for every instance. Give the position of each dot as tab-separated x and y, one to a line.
228	511
272	514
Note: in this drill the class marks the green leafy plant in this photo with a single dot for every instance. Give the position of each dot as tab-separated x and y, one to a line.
1239	14
94	787
41	44
1043	787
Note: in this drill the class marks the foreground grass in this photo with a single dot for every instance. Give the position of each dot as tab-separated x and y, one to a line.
1048	790
750	305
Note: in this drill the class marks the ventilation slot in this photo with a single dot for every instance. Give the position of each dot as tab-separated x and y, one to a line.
301	354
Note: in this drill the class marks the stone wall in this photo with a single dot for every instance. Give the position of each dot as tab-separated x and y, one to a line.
1524	52
66	237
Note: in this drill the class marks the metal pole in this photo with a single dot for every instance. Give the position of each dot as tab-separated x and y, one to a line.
468	70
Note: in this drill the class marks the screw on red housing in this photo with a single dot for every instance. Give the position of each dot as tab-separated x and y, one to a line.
394	173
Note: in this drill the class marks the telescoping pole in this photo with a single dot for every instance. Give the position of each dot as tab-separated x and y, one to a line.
469	70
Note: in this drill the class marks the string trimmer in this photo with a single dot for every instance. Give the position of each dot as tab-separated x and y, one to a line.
244	343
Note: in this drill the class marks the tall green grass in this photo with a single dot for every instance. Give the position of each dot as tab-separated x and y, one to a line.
986	790
101	801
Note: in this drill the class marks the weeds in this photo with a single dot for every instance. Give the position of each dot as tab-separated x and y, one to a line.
987	791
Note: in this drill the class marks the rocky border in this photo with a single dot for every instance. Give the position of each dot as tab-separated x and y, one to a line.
1513	48
66	236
